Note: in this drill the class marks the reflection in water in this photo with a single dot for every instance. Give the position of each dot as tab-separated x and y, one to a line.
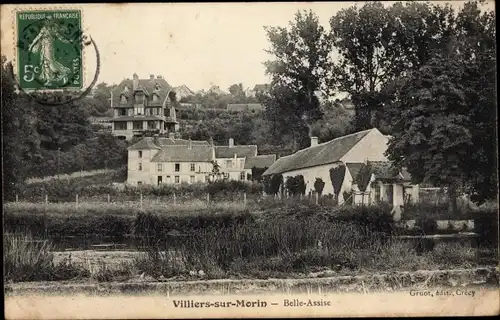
99	242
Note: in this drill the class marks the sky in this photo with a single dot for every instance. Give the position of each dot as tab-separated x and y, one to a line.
198	45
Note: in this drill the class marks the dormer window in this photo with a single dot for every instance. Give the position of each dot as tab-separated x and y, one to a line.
123	99
157	87
155	97
139	98
125	90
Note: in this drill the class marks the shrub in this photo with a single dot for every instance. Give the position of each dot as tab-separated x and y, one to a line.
486	225
348	197
295	185
273	183
319	185
426	225
337	175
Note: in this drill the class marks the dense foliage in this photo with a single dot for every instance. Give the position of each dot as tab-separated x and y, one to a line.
337	176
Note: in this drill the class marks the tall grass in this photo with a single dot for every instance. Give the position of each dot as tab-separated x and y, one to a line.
26	259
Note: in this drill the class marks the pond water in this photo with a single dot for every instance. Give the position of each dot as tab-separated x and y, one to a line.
99	242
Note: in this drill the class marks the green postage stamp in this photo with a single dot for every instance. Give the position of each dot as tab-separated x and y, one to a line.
49	49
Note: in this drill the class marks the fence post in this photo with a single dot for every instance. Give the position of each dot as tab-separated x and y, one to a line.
141	200
244	200
317	197
17	198
175	199
109	198
76	200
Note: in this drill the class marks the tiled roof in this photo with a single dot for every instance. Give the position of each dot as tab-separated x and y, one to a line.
241	151
324	153
383	170
148	143
184	90
262	161
144	144
148	85
244	106
181	153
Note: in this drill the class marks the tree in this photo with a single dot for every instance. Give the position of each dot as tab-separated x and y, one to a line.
300	66
444	113
20	142
377	43
319	184
337	175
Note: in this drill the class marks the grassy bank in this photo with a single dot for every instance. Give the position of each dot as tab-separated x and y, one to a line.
274	239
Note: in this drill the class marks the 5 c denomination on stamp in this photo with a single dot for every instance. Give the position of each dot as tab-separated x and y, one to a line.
49	49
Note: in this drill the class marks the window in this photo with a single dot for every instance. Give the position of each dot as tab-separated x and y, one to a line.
177	167
139	110
140	166
191	179
160	180
206	178
140	154
159	167
157	111
123	99
177	179
151	125
242	175
139	98
229	163
192	167
122	112
169	179
120	126
376	190
138	125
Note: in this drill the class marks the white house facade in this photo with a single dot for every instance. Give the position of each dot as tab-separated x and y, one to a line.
353	151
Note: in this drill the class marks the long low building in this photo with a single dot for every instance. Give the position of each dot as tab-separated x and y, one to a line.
364	149
159	160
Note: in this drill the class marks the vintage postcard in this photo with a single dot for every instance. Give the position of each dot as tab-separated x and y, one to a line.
227	160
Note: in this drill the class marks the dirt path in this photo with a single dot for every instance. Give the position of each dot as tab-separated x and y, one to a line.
391	281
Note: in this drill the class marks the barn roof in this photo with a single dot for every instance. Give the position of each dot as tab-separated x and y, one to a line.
321	154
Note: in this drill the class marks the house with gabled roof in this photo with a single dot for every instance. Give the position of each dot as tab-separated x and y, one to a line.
159	160
183	91
352	151
143	106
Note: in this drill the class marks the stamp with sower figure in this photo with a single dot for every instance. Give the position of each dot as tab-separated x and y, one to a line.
49	49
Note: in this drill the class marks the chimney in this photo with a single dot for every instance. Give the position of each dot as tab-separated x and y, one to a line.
135	81
190	144
151	76
159	77
314	141
231	142
171	135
